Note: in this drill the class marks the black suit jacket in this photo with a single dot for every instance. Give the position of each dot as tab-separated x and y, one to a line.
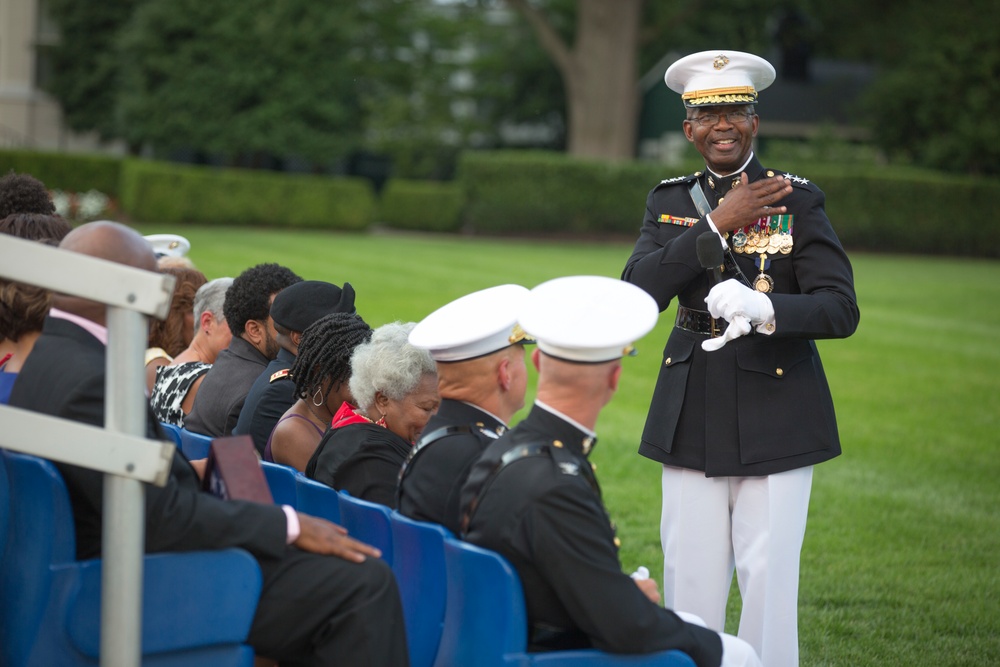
64	377
220	398
543	513
761	404
267	401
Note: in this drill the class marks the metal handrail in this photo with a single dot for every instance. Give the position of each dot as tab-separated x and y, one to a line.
120	449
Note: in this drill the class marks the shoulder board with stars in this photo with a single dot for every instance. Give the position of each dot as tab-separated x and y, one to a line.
796	180
679	179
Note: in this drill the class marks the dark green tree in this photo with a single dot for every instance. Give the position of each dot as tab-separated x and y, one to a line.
939	88
249	78
84	65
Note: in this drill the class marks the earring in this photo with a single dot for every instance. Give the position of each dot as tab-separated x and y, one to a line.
319	394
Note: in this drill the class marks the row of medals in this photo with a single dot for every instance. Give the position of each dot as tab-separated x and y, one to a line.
759	239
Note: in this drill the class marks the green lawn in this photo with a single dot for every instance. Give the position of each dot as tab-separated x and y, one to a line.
901	564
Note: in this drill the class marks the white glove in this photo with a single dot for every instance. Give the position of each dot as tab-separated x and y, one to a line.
641	573
731	297
738	326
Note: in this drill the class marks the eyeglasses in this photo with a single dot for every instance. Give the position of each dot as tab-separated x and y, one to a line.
710	119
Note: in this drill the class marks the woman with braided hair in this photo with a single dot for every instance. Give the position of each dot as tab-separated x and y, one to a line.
321	373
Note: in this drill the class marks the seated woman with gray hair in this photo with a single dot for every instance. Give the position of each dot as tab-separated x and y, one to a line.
395	386
176	385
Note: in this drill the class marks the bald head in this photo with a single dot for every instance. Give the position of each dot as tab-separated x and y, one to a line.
113	242
109	241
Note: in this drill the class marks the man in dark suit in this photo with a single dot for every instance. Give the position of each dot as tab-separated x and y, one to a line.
741	410
533	496
247	309
482	377
295	308
326	599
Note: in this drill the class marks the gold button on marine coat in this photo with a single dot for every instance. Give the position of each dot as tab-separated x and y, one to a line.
770	173
667	361
779	371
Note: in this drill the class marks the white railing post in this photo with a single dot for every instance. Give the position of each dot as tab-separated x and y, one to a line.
124	500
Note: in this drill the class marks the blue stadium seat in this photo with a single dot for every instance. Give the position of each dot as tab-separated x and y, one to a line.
281	481
195	445
197	606
486	622
172	431
418	563
317	499
368	522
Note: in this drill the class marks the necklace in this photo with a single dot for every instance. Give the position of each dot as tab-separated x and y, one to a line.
324	423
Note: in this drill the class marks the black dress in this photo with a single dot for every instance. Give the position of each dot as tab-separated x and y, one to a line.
362	459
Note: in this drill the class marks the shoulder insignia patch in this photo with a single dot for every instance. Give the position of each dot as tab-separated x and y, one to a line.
569	468
280	375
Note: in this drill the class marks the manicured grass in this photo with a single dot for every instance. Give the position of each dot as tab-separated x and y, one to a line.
901	564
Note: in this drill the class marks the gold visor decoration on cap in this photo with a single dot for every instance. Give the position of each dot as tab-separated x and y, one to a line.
721	95
518	335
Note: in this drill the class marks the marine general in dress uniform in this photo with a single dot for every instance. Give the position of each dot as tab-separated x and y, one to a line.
741	410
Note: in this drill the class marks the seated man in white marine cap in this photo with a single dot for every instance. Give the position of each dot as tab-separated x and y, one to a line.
533	498
482	377
171	250
741	410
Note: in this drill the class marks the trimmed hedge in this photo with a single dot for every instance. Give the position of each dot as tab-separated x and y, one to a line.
72	172
547	193
872	208
430	206
172	193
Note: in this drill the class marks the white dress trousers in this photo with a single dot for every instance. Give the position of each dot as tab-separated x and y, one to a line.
711	526
735	651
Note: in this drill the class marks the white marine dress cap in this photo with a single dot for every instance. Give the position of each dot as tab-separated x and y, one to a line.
712	78
472	326
588	319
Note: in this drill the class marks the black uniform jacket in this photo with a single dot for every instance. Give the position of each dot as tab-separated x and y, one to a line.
220	398
64	377
438	465
268	399
761	404
544	514
362	459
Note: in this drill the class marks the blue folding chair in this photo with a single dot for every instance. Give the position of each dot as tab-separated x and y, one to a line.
195	445
368	522
418	563
317	499
197	606
173	431
281	481
486	622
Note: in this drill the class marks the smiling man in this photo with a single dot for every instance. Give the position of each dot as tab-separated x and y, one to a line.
741	410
